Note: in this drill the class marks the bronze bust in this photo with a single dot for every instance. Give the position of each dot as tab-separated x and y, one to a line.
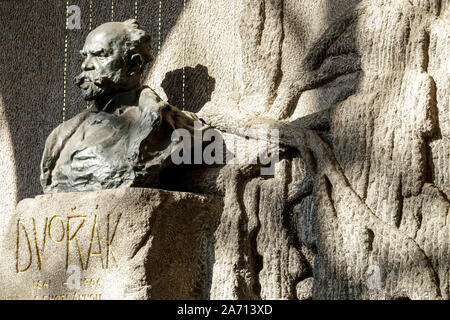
124	138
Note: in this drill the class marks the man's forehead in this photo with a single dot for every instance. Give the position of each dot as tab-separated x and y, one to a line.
105	35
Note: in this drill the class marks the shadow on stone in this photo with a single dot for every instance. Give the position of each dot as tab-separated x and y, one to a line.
198	88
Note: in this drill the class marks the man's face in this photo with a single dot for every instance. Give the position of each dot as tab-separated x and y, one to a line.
104	66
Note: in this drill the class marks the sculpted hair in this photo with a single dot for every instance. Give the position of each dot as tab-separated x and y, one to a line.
138	40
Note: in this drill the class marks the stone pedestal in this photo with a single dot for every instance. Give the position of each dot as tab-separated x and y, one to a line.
112	244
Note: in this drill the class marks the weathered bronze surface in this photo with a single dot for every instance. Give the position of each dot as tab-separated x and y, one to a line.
124	138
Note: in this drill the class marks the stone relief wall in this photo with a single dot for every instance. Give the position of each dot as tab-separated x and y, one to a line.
359	205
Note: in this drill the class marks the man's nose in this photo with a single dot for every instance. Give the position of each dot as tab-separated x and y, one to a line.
87	64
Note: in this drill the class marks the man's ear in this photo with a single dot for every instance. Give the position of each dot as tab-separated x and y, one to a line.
136	64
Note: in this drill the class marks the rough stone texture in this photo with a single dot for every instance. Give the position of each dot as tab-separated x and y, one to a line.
127	243
8	200
27	95
378	154
359	207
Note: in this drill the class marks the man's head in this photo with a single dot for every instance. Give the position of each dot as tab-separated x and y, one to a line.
115	55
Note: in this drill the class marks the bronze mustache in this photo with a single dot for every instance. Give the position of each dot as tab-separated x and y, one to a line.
94	78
